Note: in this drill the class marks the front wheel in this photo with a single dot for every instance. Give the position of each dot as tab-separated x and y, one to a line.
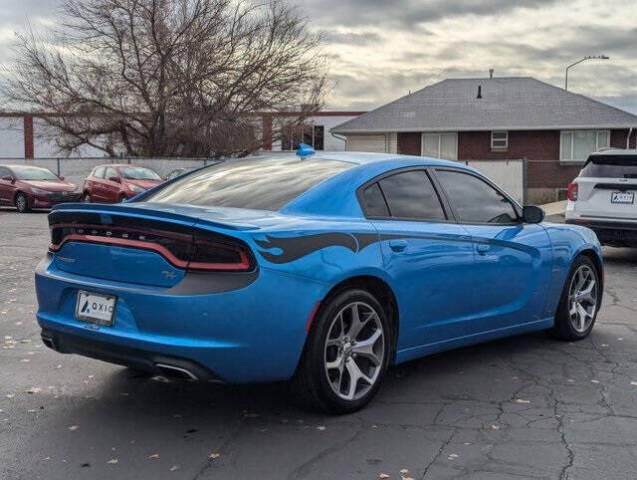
22	203
346	355
577	311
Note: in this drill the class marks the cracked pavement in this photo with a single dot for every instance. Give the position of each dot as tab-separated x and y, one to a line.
522	407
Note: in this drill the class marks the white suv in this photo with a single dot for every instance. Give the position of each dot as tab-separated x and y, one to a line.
602	197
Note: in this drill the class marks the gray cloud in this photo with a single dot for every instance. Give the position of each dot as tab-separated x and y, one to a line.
406	13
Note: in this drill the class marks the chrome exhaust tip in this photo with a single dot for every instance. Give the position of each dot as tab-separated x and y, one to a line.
173	371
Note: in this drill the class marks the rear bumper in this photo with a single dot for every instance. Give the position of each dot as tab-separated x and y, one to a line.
612	233
251	333
144	360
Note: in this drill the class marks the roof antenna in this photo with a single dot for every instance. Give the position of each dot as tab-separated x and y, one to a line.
479	91
490	73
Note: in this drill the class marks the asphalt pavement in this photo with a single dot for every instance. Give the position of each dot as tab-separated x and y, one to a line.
522	407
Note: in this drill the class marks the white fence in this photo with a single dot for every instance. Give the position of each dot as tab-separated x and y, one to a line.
510	175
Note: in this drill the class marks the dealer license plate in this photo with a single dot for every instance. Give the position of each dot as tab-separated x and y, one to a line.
95	308
622	197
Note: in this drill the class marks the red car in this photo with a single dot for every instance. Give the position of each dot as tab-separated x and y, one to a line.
117	182
27	187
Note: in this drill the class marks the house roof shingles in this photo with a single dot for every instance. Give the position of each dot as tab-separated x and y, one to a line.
515	103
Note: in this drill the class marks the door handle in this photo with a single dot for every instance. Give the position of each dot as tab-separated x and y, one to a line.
398	245
483	248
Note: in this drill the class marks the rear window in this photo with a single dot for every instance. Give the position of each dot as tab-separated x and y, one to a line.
259	183
610	166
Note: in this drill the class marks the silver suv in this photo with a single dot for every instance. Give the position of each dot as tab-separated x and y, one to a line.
602	197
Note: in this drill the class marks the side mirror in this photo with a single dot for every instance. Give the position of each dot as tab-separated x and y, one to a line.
8	178
532	214
115	179
61	177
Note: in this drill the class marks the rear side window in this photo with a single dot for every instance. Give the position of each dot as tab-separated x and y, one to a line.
474	200
375	205
266	183
610	166
411	195
110	172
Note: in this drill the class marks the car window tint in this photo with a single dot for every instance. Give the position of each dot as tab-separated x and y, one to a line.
265	183
610	166
474	200
110	172
4	172
411	195
99	173
375	205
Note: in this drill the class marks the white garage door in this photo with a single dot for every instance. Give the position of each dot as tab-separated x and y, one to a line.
365	143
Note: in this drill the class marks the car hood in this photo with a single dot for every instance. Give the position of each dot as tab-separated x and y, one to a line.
145	184
51	186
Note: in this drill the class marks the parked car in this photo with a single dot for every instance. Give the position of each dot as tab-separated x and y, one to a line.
118	182
27	187
602	197
323	269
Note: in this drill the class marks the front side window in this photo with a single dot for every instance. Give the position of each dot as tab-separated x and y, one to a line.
99	172
576	145
410	195
266	183
440	145
138	173
110	173
474	200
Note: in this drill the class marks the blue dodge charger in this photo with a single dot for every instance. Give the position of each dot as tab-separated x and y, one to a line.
320	268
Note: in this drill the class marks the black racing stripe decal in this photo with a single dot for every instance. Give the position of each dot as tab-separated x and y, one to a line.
293	248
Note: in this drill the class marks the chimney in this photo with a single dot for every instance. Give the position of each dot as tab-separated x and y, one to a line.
479	91
490	73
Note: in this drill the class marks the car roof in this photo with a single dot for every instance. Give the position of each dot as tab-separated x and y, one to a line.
614	151
22	165
363	158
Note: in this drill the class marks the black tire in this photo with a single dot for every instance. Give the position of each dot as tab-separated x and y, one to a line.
565	322
22	203
311	384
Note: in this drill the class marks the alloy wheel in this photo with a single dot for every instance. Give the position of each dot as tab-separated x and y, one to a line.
21	203
354	350
582	298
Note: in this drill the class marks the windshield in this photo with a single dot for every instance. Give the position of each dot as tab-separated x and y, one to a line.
610	166
259	183
34	173
138	173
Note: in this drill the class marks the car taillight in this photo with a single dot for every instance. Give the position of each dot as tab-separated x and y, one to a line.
572	192
212	255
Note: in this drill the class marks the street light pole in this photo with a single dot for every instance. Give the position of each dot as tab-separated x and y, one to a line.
588	57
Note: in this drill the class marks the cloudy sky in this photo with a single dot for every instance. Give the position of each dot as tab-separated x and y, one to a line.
381	49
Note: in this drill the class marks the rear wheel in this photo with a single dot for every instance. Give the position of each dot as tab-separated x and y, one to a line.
346	355
577	311
21	203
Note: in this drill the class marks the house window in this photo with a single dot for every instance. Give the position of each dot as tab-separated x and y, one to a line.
440	145
312	135
576	145
499	140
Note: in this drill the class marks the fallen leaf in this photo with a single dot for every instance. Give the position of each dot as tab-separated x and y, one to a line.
404	471
174	468
154	455
452	456
10	395
73	427
634	384
113	461
521	400
594	381
34	390
383	476
214	455
321	427
495	427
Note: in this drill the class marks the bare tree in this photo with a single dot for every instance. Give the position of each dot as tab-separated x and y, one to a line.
167	77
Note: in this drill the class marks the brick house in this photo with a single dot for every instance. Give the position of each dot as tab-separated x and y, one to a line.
497	119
